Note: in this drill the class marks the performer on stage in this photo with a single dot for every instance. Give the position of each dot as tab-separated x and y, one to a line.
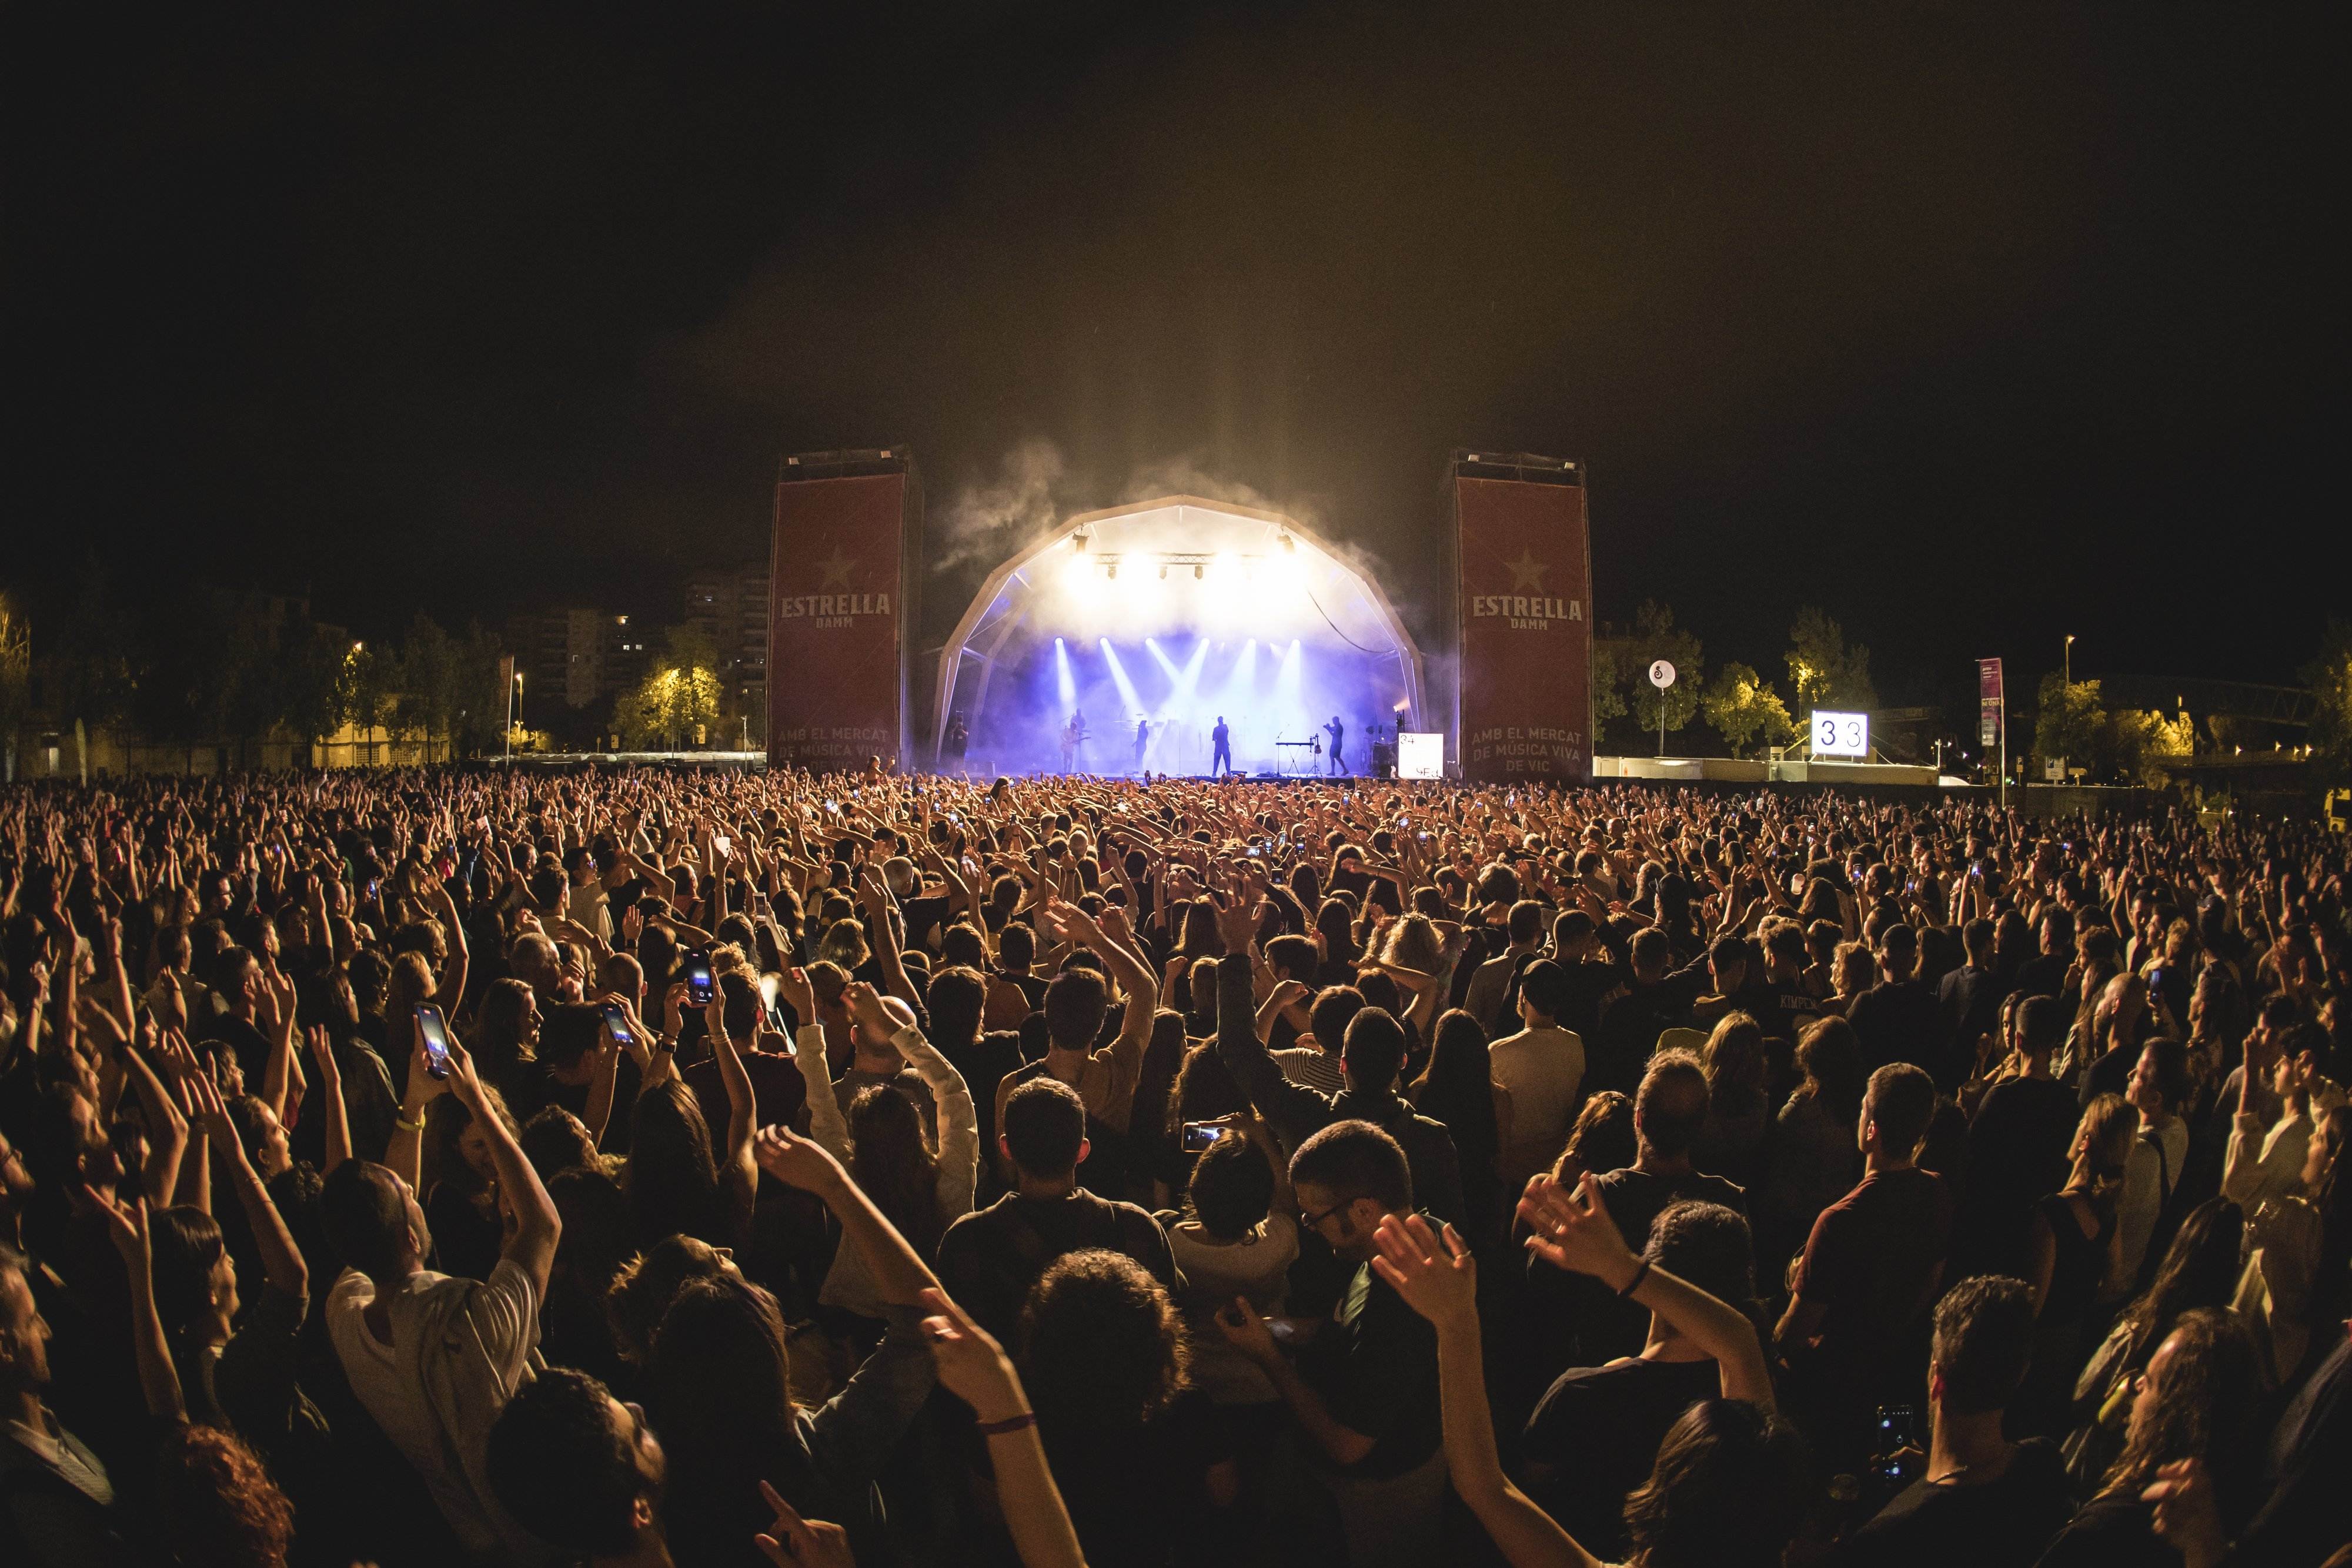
1074	737
1224	754
1338	734
1142	739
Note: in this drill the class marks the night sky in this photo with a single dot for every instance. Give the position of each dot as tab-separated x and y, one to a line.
1975	326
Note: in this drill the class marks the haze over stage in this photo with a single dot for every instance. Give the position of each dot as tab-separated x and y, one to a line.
1175	611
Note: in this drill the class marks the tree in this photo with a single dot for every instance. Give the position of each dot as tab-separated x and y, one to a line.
2070	721
1826	670
363	692
1656	637
1743	706
1608	691
2141	747
2330	676
678	700
309	668
85	670
431	684
15	682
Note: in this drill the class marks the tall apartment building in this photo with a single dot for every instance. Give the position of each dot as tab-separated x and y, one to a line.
575	654
729	606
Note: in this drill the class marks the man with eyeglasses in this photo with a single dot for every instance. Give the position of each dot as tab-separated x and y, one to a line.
1364	1390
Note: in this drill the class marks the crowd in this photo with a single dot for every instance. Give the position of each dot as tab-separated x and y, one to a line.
638	1167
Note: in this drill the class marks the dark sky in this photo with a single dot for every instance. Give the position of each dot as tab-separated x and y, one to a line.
1974	325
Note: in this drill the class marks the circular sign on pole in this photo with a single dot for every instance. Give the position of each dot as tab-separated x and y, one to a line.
1662	674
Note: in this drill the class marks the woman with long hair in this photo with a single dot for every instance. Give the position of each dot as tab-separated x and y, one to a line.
1457	1088
1731	1142
1814	1159
2071	1247
2196	1399
2199	1270
921	1187
461	1185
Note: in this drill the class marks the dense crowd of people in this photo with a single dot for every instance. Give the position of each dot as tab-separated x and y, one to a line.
648	1166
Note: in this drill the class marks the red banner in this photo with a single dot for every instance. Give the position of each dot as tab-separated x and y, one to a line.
836	691
1524	562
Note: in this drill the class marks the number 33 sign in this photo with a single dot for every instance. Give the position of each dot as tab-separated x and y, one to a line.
1840	734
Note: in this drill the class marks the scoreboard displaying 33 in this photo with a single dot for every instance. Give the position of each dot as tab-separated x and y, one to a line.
1840	734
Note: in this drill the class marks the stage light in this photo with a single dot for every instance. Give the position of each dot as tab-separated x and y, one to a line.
1196	571
1079	541
1111	572
1163	572
1289	545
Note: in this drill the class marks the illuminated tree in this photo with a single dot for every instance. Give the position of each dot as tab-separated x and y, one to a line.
2069	722
1743	707
677	702
1826	670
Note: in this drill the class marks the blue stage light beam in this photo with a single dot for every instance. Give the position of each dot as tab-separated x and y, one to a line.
1128	695
1166	663
1183	701
1066	685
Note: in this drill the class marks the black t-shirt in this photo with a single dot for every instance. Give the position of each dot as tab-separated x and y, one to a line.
1135	1494
1897	1021
1374	1361
988	1260
1595	1434
2112	1531
2010	1519
924	915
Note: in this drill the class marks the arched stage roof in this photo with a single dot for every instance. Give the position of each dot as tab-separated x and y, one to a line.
1171	524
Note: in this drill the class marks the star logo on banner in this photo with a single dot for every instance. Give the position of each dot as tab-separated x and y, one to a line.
1526	572
835	568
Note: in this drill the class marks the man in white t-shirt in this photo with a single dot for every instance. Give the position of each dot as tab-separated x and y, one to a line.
1543	1067
435	1358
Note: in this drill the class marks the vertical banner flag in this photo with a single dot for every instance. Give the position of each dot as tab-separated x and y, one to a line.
1523	570
1988	700
836	614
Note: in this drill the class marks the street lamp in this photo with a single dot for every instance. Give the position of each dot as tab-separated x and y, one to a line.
2070	658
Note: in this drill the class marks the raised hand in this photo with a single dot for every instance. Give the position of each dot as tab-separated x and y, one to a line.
796	1161
792	1541
971	1366
126	1227
866	1005
1441	1284
1238	923
1573	1229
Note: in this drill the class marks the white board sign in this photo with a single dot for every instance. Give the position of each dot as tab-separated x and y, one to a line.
1662	674
1840	734
1421	755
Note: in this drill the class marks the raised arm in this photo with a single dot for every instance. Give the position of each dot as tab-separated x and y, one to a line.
159	1380
898	1275
538	1227
280	1258
959	1121
1441	1284
974	1368
1291	1110
736	1167
826	1123
1572	1230
331	1098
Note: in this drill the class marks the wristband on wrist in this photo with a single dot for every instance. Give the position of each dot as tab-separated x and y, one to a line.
1634	1283
1009	1424
407	1125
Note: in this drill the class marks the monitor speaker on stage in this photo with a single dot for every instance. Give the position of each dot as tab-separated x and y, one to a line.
842	603
1520	561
